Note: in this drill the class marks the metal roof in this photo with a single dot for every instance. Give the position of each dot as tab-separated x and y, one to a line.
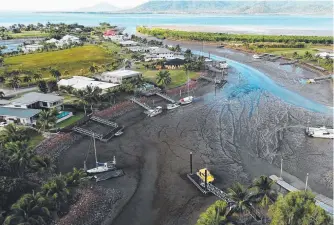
33	97
18	112
121	73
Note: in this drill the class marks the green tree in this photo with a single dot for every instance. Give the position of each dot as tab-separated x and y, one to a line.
56	189
177	48
30	209
264	193
47	119
295	55
298	208
163	78
42	86
37	76
13	133
14	82
188	55
55	73
80	94
74	178
66	73
19	155
93	68
27	79
218	213
92	95
1	60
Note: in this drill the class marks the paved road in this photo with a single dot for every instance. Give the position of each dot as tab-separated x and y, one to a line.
11	92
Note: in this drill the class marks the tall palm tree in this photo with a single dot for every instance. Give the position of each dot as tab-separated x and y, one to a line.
264	193
66	73
93	68
92	95
27	79
218	213
37	76
14	82
41	164
110	94
80	94
243	199
13	133
56	189
188	55
73	178
55	73
163	78
30	209
47	119
19	155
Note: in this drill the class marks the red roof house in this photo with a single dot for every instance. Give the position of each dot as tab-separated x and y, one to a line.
109	33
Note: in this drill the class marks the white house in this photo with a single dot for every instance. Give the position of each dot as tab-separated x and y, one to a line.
31	48
324	55
19	115
67	39
119	76
114	38
128	43
157	53
81	83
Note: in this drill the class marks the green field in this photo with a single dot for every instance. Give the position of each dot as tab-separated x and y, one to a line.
75	60
28	34
179	77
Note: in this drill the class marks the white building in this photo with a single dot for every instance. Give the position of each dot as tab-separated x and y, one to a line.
157	53
128	43
81	83
31	48
67	39
324	55
119	76
114	38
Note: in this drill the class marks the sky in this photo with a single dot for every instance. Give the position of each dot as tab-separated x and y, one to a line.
56	5
65	5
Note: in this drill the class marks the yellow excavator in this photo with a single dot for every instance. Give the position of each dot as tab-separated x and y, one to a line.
209	176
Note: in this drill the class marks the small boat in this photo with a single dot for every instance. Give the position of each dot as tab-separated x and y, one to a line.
101	167
172	106
108	175
321	132
119	133
223	65
255	56
186	100
154	112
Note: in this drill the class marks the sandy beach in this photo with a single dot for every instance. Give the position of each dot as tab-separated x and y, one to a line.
238	134
249	30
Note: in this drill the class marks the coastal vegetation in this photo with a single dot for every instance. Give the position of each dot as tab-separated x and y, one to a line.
219	37
260	200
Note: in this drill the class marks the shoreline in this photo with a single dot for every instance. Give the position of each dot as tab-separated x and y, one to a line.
247	30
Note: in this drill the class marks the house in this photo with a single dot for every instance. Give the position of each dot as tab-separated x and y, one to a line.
81	83
19	115
325	55
110	32
174	64
114	38
31	48
119	76
128	43
157	53
35	100
66	40
138	49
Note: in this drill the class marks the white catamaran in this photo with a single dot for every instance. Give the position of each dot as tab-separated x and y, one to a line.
189	99
102	167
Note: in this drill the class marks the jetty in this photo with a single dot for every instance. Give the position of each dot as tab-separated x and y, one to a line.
166	97
213	80
149	111
322	201
88	133
103	121
289	62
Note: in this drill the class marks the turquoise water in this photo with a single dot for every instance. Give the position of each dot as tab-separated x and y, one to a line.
257	80
132	20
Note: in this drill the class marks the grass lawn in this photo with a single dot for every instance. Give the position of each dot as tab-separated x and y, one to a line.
35	140
179	77
70	120
72	60
28	34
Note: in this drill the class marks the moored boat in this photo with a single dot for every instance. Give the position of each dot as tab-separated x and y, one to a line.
255	56
186	100
172	106
320	132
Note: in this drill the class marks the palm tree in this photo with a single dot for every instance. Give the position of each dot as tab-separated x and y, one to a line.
13	133
163	78
218	213
127	64
55	73
37	76
188	55
73	178
80	94
30	209
19	155
41	164
93	68
66	73
47	119
56	190
243	199
2	95
14	82
92	95
264	193
27	79
110	94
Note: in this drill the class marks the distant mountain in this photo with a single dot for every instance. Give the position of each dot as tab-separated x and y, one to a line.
100	7
236	7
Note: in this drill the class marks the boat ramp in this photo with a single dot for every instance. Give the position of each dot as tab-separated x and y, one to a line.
149	111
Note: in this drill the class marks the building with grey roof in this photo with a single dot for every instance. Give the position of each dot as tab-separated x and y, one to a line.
118	76
19	115
35	100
